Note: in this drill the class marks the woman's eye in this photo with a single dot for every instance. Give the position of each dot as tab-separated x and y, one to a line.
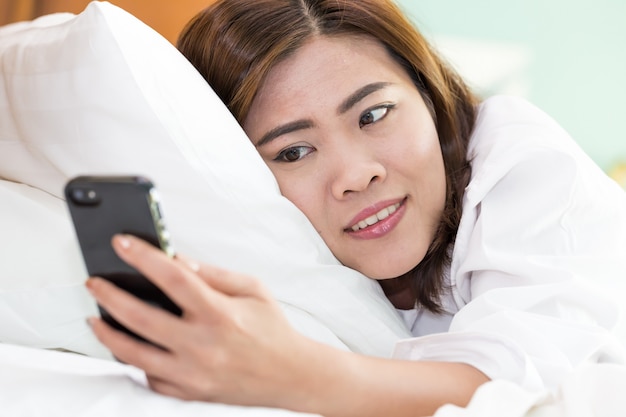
374	115
293	154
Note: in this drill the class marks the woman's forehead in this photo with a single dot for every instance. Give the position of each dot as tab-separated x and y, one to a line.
330	62
321	75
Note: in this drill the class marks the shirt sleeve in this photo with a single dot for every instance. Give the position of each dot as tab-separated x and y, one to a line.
542	226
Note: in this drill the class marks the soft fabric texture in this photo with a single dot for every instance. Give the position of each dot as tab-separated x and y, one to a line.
35	382
102	93
67	385
543	232
42	300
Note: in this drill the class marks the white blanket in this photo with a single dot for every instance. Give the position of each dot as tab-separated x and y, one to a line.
101	92
44	383
48	383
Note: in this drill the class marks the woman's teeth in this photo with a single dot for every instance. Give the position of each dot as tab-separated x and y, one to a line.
383	214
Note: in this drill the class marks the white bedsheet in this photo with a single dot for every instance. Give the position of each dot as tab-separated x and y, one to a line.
36	382
595	390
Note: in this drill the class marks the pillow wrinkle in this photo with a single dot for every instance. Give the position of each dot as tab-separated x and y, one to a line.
102	93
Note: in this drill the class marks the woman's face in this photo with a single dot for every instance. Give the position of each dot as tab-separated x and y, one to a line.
353	145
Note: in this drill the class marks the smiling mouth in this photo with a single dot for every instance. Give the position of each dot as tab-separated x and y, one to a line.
375	218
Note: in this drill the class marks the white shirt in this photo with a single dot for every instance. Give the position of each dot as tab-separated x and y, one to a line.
541	222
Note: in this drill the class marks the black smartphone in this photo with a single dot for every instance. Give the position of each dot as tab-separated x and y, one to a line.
102	206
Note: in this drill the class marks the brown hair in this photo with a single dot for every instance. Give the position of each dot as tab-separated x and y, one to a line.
236	43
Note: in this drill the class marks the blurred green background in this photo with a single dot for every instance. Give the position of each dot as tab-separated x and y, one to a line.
568	57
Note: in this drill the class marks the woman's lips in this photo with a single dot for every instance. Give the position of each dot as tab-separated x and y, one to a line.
378	220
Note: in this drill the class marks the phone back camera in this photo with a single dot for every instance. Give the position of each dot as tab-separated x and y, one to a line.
85	197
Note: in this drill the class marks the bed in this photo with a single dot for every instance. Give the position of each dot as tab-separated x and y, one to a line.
102	93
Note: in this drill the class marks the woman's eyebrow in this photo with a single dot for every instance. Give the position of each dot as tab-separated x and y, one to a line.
346	105
359	95
283	130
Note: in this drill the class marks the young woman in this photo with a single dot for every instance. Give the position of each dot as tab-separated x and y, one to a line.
478	220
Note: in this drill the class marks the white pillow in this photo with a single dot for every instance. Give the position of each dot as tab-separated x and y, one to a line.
102	93
42	300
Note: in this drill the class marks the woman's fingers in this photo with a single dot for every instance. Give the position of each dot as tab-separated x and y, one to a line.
156	265
231	334
125	348
188	263
152	323
231	283
224	281
165	387
180	284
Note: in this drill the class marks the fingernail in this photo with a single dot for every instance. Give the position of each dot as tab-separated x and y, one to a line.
92	285
123	241
195	267
90	321
191	264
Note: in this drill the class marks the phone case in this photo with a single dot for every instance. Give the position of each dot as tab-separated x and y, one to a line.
101	207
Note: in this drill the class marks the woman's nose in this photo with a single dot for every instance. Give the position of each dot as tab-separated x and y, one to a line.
355	171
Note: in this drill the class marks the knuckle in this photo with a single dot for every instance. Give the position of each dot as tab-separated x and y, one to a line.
176	277
251	286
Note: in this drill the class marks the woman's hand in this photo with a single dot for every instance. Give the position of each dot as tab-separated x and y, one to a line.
232	343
